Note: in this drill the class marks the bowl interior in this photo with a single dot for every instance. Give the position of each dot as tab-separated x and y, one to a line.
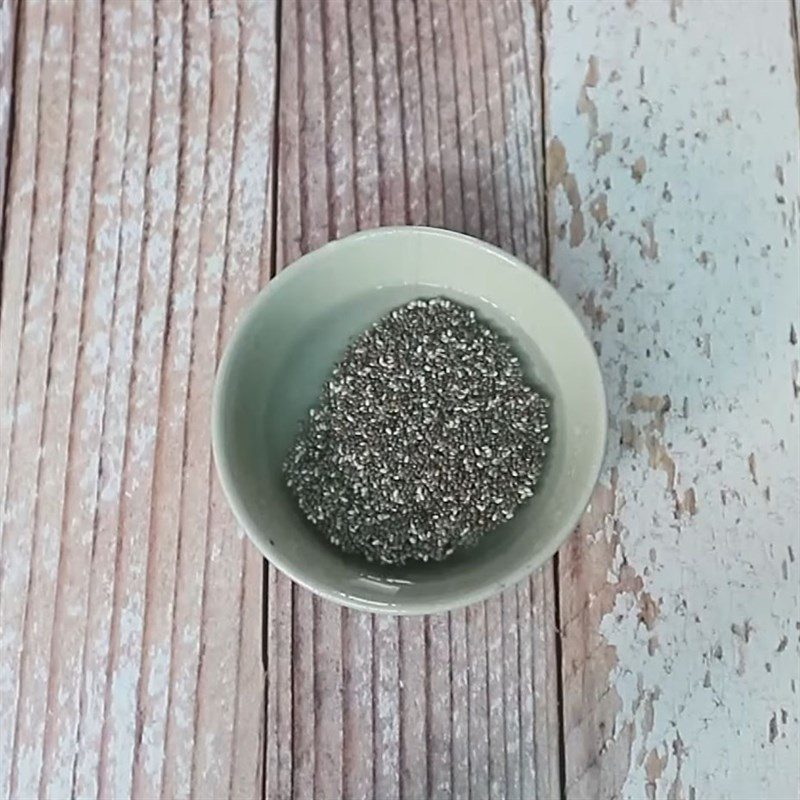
284	350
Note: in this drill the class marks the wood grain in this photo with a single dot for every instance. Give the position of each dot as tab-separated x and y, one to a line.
423	113
8	27
135	236
674	195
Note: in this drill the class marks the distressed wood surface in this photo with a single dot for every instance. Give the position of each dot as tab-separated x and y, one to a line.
656	182
131	605
422	113
672	162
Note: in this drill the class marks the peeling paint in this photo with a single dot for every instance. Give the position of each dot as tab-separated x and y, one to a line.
686	590
559	175
598	209
638	169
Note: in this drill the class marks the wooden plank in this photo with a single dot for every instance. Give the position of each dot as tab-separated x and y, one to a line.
252	216
674	201
37	556
193	316
169	667
8	28
392	115
136	235
13	77
97	770
13	578
128	666
85	434
224	647
42	633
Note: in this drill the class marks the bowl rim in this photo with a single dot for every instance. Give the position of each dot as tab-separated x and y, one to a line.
405	607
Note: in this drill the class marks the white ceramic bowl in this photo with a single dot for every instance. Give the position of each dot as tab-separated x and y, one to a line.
284	349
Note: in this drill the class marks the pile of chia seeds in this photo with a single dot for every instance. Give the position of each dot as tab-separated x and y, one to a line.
425	438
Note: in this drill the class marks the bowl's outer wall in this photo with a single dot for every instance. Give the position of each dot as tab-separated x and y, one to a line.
284	349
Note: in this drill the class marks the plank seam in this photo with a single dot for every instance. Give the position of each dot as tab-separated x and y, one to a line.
326	126
544	219
541	7
237	112
301	143
275	155
270	209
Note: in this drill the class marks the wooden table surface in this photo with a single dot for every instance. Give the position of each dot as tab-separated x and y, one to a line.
162	161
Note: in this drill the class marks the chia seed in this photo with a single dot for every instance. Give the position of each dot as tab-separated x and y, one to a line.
425	437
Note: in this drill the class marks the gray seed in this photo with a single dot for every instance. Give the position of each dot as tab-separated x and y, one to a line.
425	438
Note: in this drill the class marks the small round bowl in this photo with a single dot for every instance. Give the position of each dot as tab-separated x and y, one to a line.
284	349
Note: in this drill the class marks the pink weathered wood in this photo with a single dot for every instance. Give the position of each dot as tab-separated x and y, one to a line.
246	129
139	228
36	549
193	316
387	117
42	647
167	672
136	230
85	434
8	27
104	746
128	666
26	70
